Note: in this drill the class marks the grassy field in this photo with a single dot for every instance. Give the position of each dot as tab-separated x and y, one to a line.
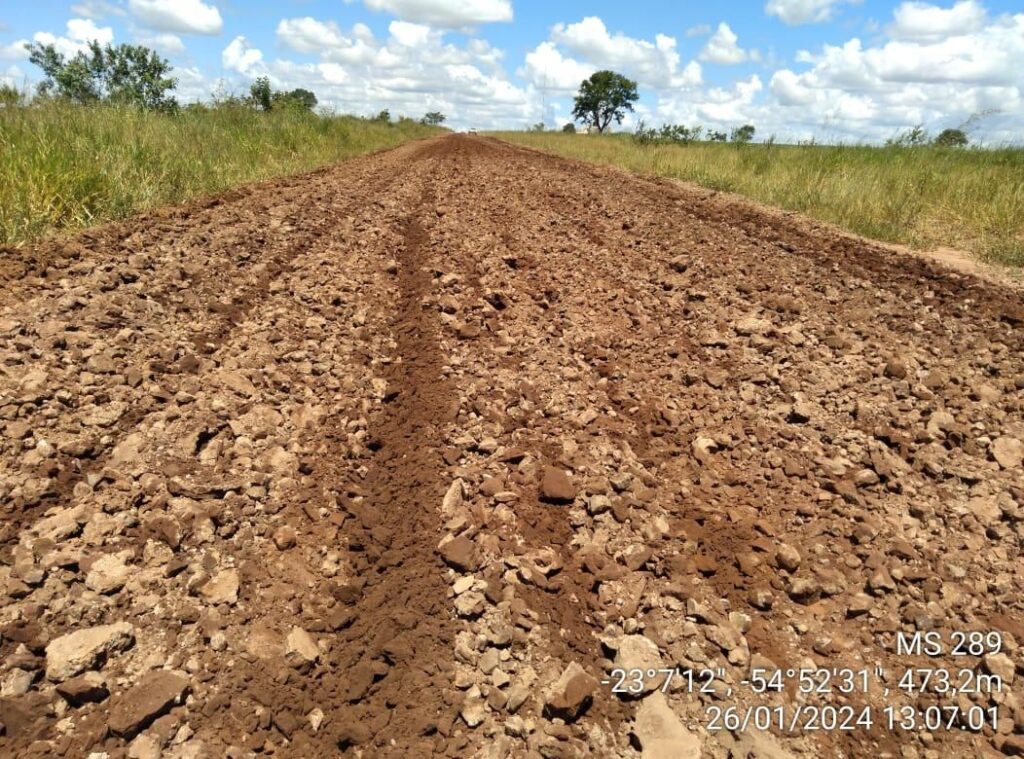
65	167
924	197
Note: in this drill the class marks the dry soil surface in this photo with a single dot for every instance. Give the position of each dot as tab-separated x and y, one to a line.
406	456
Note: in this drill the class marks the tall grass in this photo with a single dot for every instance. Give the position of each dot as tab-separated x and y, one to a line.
924	197
64	167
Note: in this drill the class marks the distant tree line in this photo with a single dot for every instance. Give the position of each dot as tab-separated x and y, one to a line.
136	75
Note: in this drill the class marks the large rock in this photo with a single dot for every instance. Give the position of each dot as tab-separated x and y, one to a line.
571	694
108	574
556	486
76	652
461	554
661	734
151	697
222	588
636	652
1008	452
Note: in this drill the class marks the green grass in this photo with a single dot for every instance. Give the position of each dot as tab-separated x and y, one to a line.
923	197
63	167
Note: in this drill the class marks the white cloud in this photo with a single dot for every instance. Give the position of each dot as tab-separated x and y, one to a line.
412	71
548	69
653	64
180	16
448	14
307	35
14	51
722	47
409	35
166	43
240	56
96	9
794	12
80	31
921	21
931	71
698	31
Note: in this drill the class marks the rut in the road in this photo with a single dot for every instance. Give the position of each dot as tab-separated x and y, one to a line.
402	635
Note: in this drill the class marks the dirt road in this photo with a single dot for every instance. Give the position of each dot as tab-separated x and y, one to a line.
404	457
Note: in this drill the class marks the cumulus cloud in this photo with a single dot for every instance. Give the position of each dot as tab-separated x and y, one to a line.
14	51
96	9
166	43
591	46
80	31
938	67
449	14
795	12
414	69
722	47
180	16
921	21
241	57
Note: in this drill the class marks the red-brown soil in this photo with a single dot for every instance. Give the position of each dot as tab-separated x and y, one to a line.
403	457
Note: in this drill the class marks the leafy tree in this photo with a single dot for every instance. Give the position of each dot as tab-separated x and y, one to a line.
261	95
434	118
951	138
10	96
604	97
716	136
129	74
911	138
384	116
569	128
538	127
743	134
300	99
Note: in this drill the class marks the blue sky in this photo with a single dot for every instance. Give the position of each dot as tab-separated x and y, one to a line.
851	70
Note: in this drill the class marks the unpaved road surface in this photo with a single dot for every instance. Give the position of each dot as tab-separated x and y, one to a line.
404	457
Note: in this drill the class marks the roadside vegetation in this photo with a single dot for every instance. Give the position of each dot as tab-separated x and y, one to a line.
917	190
925	196
103	138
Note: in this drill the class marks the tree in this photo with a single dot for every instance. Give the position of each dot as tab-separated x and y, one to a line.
743	134
384	116
716	136
538	127
10	96
604	97
260	94
951	138
569	128
299	99
434	118
127	74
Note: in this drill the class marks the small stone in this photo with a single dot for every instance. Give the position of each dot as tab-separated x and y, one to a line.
896	369
788	557
460	553
300	649
87	688
473	710
1002	666
1008	452
76	652
556	486
107	574
285	537
222	588
804	589
660	732
154	695
639	652
571	694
